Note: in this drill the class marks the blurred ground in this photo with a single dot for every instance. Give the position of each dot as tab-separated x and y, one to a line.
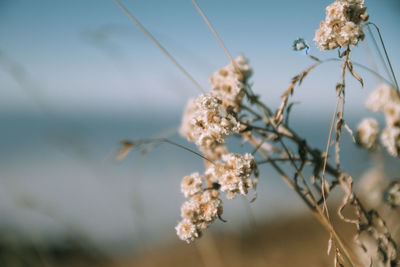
296	241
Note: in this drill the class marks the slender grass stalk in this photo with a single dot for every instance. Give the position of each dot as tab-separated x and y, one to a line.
221	43
386	55
379	52
161	47
141	142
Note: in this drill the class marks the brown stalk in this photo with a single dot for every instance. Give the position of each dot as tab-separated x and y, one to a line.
298	79
316	211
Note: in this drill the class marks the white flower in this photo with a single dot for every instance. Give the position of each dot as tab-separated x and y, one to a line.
367	132
381	97
392	114
191	184
390	139
202	208
214	171
206	123
214	151
342	25
190	210
233	174
241	164
210	206
228	84
244	66
198	213
187	231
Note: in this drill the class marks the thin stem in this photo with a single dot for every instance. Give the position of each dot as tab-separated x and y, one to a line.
298	171
379	52
276	160
386	55
254	99
341	96
249	127
370	70
316	211
217	37
327	152
158	44
187	149
282	173
165	140
313	205
359	65
371	60
276	131
313	152
258	116
258	146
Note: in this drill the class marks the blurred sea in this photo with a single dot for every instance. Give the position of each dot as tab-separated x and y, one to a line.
59	178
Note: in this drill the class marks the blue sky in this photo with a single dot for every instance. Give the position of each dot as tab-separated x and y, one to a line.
88	56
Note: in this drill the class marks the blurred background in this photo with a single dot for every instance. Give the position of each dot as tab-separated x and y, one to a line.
76	77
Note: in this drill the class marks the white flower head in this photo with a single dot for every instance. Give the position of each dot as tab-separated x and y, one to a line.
233	173
342	24
392	114
390	139
206	123
214	151
367	132
187	231
228	82
214	171
381	97
191	184
190	210
198	213
210	206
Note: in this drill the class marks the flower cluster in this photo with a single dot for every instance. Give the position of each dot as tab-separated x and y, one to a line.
202	208
385	99
342	24
228	83
367	133
381	98
206	123
231	175
191	184
211	117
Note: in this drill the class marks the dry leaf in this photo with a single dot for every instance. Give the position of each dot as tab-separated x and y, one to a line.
124	151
